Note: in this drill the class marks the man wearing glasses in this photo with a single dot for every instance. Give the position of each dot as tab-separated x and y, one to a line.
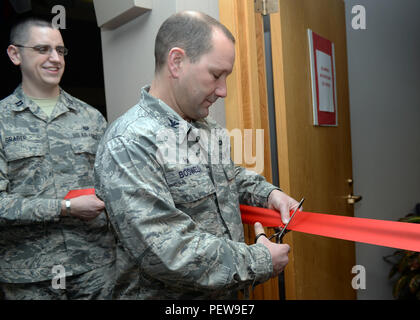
50	248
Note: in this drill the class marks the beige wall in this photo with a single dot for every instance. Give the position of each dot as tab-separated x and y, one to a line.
129	60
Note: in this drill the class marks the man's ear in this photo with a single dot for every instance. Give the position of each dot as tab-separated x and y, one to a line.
14	54
176	58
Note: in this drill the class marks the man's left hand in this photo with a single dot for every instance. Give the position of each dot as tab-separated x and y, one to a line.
280	201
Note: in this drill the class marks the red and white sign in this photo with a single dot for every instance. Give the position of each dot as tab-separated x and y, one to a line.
324	89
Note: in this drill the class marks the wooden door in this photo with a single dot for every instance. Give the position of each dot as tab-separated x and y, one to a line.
314	162
246	102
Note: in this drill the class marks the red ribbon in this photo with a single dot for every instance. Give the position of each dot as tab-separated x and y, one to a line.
400	235
80	192
394	234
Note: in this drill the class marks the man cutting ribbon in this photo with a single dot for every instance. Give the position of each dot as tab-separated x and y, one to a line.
178	222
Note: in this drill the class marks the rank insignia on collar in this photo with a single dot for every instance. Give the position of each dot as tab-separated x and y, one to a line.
173	123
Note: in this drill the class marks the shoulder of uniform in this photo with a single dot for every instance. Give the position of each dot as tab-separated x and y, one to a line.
134	125
10	102
77	104
7	101
72	101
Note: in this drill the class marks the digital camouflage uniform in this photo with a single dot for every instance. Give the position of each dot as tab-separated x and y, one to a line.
41	159
178	224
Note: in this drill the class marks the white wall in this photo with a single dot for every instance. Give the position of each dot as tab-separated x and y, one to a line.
384	83
128	55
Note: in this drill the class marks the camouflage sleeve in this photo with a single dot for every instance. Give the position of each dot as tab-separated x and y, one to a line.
165	242
101	122
253	188
15	209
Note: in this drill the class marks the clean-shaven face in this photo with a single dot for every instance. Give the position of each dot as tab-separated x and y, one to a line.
201	83
42	70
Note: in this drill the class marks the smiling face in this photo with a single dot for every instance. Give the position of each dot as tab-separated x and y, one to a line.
201	83
40	72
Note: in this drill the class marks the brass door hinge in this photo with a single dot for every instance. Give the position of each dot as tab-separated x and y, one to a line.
266	6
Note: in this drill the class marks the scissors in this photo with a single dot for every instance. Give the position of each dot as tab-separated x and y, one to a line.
282	231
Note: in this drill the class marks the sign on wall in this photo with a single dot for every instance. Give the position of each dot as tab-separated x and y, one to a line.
324	88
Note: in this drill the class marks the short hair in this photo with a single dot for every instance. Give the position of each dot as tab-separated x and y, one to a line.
190	31
19	33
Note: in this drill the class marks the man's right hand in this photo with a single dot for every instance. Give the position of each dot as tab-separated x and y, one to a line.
279	252
84	207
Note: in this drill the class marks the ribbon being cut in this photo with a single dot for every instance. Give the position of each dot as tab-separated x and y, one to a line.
400	235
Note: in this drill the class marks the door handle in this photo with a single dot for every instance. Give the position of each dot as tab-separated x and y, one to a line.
352	199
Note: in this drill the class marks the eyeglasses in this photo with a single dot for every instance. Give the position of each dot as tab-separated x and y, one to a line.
47	49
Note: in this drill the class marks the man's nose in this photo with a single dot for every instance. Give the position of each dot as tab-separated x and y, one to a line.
54	56
221	89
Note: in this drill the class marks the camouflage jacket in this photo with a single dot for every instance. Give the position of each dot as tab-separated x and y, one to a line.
177	219
41	159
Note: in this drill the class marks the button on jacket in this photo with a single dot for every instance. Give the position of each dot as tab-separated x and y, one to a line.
172	194
41	159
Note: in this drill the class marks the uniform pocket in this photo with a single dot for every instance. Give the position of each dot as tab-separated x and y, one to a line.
25	149
84	145
189	183
25	164
84	150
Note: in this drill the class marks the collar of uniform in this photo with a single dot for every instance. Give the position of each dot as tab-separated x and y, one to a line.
21	101
67	100
165	114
